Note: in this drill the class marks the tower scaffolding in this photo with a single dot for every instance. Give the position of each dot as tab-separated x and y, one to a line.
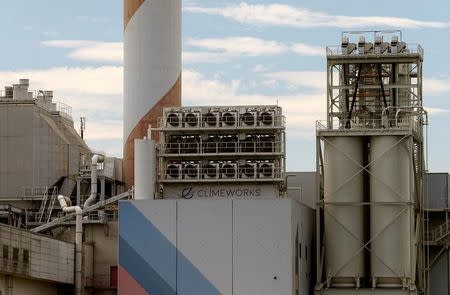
370	164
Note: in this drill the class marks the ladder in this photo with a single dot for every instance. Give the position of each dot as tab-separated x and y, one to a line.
43	205
52	203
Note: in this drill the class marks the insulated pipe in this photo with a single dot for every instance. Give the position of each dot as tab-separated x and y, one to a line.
78	238
95	160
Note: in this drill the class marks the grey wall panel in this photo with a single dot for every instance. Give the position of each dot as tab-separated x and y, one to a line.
262	250
439	276
307	182
205	245
436	186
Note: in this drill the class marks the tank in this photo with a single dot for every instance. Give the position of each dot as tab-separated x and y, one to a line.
390	229
145	169
344	226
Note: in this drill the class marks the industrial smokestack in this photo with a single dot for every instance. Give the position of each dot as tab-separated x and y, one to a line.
152	69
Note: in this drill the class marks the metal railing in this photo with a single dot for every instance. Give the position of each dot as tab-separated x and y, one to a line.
439	233
408	123
64	219
34	191
275	121
340	51
216	147
240	173
64	109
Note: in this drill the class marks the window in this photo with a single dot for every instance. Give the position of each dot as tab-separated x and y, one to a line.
16	254
26	256
306	253
5	252
300	250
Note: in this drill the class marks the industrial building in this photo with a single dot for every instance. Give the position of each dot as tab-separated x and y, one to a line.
202	202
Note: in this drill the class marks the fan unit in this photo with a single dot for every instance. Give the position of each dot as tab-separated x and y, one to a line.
211	171
173	171
228	119
211	119
191	171
228	171
248	170
266	144
189	145
380	46
248	118
191	119
173	119
248	145
210	145
397	46
173	145
228	144
266	118
347	48
266	170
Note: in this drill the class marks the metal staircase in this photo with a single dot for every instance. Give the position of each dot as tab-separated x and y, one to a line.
438	235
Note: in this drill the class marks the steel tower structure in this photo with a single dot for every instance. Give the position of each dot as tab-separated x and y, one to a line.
370	164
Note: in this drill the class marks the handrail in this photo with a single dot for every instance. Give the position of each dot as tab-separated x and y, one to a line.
61	220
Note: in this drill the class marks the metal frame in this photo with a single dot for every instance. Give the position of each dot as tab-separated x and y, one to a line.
345	117
248	144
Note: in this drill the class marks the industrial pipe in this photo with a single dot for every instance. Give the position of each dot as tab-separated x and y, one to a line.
78	238
95	160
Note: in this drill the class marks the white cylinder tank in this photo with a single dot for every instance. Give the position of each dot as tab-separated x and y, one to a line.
344	226
390	229
144	169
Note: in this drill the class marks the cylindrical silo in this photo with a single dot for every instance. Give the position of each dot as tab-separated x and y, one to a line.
344	226
152	69
144	169
390	182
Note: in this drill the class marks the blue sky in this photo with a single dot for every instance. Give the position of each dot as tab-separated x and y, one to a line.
233	52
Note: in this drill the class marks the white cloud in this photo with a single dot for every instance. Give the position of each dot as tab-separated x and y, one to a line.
308	50
309	79
286	15
215	50
259	68
199	57
301	110
436	87
250	46
240	46
90	50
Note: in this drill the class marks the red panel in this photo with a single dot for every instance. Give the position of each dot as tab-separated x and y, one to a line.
127	284
113	277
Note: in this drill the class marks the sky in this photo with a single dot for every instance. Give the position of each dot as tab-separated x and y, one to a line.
234	52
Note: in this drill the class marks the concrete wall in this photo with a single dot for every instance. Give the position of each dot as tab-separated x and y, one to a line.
22	286
35	256
239	247
100	254
103	239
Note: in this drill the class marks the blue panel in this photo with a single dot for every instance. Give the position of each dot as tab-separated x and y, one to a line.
141	271
141	240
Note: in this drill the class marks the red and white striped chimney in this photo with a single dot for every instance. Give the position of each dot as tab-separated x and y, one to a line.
152	69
